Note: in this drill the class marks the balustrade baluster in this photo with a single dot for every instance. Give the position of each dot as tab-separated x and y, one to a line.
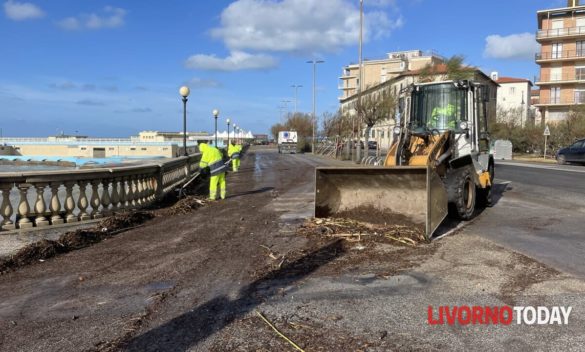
131	193
82	203
95	200
6	209
24	208
115	194
106	200
70	203
139	191
40	206
55	205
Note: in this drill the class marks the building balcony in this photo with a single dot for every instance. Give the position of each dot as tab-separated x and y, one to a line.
560	56
561	33
347	76
344	87
561	102
565	78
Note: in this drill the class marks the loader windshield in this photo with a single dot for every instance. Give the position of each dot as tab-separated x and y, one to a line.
438	107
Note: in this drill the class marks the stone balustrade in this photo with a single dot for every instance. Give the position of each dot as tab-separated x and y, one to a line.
36	199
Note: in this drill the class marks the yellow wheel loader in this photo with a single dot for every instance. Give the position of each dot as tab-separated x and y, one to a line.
438	164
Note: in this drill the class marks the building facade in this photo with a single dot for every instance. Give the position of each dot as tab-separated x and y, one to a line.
380	71
561	34
514	98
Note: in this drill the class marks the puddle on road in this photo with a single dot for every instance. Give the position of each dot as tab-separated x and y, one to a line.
159	286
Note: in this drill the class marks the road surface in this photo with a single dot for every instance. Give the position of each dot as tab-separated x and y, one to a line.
194	282
540	212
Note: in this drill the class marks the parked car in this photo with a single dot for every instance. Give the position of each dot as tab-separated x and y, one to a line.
372	145
575	153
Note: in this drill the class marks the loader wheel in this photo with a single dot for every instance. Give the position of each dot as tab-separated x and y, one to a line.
463	195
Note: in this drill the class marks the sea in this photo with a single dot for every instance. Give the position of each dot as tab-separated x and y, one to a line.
25	168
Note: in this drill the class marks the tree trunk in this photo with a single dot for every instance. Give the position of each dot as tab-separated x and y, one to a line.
367	138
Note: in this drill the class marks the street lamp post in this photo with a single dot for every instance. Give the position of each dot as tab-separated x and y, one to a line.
314	122
184	91
228	123
215	115
236	133
522	110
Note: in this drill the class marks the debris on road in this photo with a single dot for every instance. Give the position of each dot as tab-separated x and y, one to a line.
296	347
359	231
44	249
185	205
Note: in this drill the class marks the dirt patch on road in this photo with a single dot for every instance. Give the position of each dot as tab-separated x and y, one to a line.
253	334
369	214
525	272
383	249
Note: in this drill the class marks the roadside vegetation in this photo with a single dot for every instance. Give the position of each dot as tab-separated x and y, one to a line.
529	138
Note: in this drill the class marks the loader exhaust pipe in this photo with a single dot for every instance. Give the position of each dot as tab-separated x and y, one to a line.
409	192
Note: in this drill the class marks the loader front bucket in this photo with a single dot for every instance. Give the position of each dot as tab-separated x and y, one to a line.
411	192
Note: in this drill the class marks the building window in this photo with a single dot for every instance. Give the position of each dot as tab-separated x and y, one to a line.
143	149
555	95
111	148
83	148
512	90
581	48
557	50
132	148
579	95
580	73
556	73
382	134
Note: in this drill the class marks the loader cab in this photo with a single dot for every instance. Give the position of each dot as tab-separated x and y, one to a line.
439	107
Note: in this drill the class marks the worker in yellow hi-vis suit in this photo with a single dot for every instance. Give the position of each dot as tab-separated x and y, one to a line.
211	160
234	151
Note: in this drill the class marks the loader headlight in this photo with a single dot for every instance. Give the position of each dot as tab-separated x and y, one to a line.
396	130
463	125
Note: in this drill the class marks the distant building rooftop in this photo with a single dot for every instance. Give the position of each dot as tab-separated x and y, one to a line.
513	80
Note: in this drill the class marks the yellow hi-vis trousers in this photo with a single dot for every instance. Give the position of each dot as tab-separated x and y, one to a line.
213	181
235	164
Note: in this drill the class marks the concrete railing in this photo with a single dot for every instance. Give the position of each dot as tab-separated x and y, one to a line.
36	199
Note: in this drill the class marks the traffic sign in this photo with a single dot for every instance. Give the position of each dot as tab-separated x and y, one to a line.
546	131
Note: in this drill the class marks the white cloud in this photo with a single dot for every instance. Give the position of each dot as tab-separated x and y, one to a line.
112	17
196	82
19	11
307	26
520	46
237	60
69	23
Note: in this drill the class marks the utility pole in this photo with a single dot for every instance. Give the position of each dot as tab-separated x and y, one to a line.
359	87
296	87
314	122
285	102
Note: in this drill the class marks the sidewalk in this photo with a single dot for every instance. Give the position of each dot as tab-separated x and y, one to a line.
533	159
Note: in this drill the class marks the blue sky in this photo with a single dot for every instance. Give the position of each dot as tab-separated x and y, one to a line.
113	68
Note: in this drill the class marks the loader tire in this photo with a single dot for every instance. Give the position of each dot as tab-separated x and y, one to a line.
462	194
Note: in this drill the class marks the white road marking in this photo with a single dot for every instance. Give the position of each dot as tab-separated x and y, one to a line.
543	167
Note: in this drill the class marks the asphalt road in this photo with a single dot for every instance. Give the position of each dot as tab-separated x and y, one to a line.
193	282
539	212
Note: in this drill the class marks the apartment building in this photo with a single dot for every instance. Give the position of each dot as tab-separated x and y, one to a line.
382	70
561	34
514	95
